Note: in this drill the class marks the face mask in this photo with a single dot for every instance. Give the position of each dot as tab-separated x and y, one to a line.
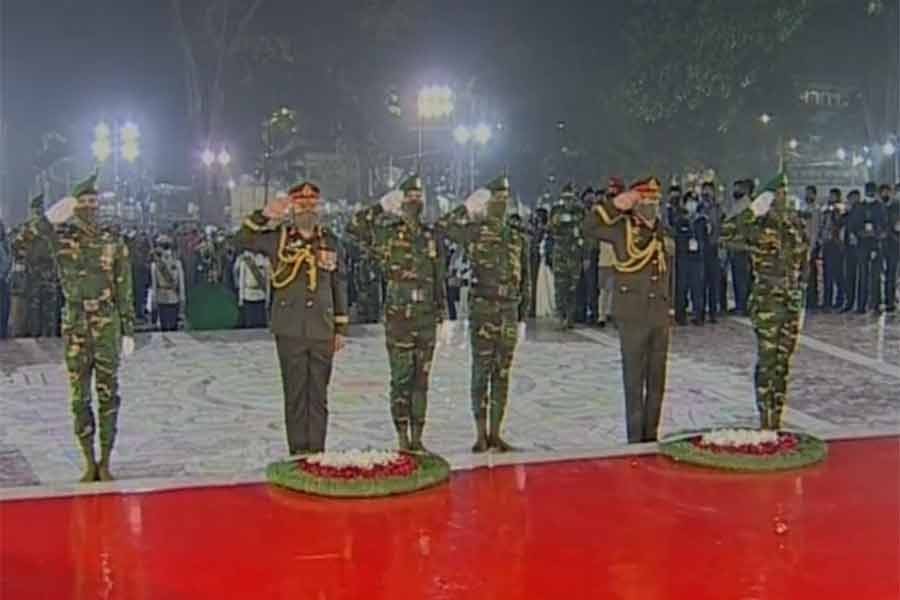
412	209
885	198
496	209
647	211
737	195
691	207
306	220
869	199
707	197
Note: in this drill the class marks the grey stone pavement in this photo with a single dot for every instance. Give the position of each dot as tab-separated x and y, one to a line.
202	406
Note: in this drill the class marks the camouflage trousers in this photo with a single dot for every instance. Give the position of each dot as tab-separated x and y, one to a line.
494	335
92	349
776	319
566	273
410	349
43	308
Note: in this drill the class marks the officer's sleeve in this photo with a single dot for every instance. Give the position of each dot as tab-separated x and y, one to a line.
366	229
600	223
339	294
456	226
258	235
737	231
124	293
525	286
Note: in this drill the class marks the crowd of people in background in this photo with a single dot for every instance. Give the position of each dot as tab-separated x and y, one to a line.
853	265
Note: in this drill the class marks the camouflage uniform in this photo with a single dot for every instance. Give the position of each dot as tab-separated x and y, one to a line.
568	251
499	298
779	251
415	304
18	289
42	280
95	270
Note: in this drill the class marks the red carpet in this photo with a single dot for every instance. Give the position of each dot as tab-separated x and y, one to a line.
615	528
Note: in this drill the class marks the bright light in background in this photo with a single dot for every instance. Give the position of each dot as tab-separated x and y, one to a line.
208	157
793	143
131	142
231	184
224	158
889	149
766	118
841	154
857	160
102	146
483	134
462	135
869	163
865	149
435	102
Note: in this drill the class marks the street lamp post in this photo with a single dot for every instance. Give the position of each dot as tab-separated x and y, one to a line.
473	137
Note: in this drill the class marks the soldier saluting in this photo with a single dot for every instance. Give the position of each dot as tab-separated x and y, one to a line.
98	319
642	306
568	251
392	233
498	303
309	310
779	250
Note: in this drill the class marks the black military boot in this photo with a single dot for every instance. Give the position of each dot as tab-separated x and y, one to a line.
494	440
90	466
402	436
416	443
481	440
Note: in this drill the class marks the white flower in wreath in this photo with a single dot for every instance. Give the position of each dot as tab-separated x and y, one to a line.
365	460
739	437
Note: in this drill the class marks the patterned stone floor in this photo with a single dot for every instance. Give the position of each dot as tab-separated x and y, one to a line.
209	405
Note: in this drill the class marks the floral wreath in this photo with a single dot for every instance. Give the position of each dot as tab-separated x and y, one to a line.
746	450
359	473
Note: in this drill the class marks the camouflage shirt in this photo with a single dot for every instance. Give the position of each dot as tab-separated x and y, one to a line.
498	254
95	273
411	260
565	227
778	246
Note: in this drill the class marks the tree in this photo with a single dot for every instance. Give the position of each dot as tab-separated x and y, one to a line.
211	33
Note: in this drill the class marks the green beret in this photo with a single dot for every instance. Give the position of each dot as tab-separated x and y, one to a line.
568	190
500	184
37	201
88	186
413	183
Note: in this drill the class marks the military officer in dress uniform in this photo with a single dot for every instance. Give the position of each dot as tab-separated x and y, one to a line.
309	311
643	300
498	305
167	285
392	232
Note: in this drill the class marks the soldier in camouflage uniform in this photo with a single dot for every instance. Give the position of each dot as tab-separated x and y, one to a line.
415	304
568	250
98	322
42	281
779	250
498	305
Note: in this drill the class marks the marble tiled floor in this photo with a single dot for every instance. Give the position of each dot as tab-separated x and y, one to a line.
209	405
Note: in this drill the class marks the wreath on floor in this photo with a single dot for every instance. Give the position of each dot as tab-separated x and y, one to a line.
748	450
359	473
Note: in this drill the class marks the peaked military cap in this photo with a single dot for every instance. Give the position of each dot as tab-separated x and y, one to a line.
648	188
413	183
500	184
305	189
779	182
37	201
568	190
86	187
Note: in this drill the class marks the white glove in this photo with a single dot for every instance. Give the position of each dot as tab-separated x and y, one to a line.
762	203
127	346
62	211
476	204
392	202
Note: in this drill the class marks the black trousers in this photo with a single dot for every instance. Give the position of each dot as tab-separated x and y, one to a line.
253	315
812	284
868	294
305	375
712	275
168	317
833	275
645	350
740	279
689	280
851	274
5	302
891	260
